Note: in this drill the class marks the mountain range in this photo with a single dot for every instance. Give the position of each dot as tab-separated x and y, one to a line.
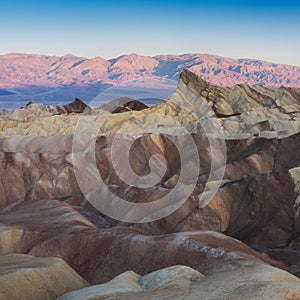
43	78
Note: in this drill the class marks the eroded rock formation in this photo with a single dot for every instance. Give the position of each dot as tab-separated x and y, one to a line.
250	281
248	216
28	277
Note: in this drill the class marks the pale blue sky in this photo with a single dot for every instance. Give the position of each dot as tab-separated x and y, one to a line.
268	30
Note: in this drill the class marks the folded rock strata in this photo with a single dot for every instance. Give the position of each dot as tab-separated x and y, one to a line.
45	212
51	228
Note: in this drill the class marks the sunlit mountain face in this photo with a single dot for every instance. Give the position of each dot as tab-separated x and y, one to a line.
57	80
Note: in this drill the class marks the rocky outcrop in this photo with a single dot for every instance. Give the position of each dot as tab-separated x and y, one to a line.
129	106
123	104
55	229
28	277
42	169
250	281
241	98
37	110
10	238
77	106
121	285
241	111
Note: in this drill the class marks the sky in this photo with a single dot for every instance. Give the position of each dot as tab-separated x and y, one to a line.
267	30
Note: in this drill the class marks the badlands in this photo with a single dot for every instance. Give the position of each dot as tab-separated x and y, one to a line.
229	230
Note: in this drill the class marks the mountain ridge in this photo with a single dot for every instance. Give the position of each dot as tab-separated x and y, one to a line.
19	69
54	80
